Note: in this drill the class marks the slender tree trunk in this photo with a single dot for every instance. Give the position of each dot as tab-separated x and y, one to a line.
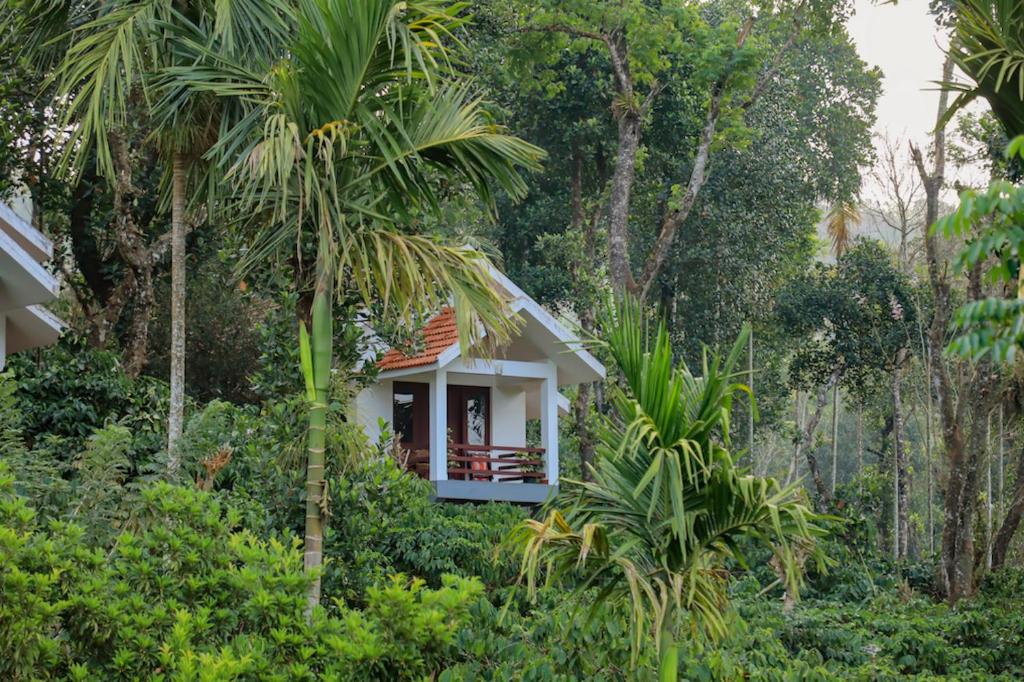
928	448
798	420
860	447
750	409
1000	495
619	267
900	458
957	546
1014	512
988	491
835	436
822	497
175	422
321	341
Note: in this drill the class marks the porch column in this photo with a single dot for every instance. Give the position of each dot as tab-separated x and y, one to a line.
439	426
549	422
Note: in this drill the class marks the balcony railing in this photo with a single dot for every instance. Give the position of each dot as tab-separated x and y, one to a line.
496	463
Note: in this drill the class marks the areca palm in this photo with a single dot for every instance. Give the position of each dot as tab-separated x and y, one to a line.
347	137
123	54
667	507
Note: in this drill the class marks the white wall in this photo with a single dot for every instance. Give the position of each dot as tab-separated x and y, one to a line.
508	416
372	403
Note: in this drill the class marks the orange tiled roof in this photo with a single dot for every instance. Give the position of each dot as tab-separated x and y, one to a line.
439	334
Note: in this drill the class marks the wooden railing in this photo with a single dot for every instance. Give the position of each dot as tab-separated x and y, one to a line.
498	463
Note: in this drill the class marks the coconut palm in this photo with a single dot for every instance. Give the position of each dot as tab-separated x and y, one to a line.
667	507
117	59
356	129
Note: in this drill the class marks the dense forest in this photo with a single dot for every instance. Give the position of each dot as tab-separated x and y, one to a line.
805	460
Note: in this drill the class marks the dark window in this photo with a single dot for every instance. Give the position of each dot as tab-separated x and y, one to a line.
410	415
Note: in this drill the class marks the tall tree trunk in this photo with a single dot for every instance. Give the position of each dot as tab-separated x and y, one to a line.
988	491
835	437
318	376
822	497
584	305
902	499
957	545
1014	512
619	267
1000	494
176	419
798	421
860	447
928	448
750	408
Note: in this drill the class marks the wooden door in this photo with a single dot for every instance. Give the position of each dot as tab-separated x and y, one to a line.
469	421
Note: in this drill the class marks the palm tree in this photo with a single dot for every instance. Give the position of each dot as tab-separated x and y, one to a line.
122	56
988	47
667	507
842	218
354	130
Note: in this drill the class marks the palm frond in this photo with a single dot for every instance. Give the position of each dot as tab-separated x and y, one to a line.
839	223
988	47
667	506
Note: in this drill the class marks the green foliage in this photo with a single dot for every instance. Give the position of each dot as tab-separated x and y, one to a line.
988	47
667	507
70	390
992	222
223	328
383	521
190	595
850	319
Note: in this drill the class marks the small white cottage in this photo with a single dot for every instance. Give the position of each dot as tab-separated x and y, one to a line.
464	419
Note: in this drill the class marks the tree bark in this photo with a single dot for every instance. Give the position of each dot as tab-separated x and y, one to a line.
835	437
902	490
136	285
823	497
957	544
176	418
618	204
1014	512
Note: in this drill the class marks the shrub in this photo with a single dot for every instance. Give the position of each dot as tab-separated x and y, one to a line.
190	595
73	389
382	521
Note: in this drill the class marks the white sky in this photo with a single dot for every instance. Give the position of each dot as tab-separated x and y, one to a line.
902	40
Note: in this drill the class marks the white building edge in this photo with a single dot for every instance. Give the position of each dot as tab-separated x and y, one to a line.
24	286
463	419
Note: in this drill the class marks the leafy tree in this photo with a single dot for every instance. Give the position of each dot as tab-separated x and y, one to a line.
986	45
667	507
728	59
855	321
342	169
125	52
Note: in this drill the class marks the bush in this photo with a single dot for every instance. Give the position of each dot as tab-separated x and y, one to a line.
383	521
190	595
73	389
